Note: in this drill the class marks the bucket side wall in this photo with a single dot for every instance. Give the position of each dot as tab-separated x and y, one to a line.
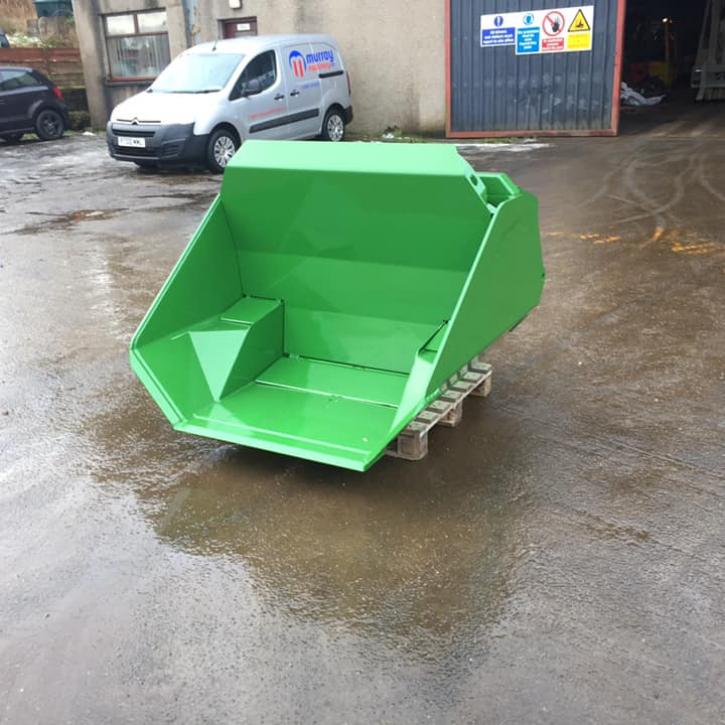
504	285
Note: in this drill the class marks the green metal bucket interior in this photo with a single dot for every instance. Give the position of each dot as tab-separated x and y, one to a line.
312	314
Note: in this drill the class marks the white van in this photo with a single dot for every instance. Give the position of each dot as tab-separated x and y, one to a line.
215	95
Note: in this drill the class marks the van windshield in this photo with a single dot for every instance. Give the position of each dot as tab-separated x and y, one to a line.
197	73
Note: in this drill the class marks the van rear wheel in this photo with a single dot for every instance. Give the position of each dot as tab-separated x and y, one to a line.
223	144
333	127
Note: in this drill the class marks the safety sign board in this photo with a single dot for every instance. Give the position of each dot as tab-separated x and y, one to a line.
558	30
497	30
528	40
580	24
553	23
579	42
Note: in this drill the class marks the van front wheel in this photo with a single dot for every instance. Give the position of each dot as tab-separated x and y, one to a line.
222	145
333	127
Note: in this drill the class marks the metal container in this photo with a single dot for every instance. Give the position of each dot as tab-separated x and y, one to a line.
331	291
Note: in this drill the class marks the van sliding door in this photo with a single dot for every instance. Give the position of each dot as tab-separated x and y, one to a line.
303	90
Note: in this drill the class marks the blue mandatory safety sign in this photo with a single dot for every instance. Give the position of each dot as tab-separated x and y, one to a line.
498	36
528	40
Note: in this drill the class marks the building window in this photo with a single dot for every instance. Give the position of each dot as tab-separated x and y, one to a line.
137	45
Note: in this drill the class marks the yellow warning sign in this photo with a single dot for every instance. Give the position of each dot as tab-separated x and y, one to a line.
580	41
580	23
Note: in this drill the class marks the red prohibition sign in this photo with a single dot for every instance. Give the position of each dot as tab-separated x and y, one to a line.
553	23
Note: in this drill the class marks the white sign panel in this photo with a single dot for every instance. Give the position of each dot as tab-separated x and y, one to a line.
499	29
561	30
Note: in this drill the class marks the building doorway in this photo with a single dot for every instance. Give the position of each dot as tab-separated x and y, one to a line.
664	59
239	27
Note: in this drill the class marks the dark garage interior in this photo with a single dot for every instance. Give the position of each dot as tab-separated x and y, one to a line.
661	41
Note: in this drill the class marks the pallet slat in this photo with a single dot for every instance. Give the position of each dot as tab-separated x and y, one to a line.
447	410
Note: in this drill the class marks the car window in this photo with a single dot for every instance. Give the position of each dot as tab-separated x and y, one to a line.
14	79
263	68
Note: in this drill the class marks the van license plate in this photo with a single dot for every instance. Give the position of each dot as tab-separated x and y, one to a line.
132	142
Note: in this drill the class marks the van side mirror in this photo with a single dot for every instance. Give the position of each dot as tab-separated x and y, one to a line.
252	87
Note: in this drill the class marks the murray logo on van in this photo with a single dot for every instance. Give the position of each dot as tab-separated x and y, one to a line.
297	64
319	61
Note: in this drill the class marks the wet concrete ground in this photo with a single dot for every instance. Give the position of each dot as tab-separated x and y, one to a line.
558	558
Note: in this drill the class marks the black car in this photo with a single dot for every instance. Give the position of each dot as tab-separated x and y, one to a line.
29	103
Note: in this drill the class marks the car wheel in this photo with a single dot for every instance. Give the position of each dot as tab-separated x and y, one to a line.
49	125
333	127
222	145
11	137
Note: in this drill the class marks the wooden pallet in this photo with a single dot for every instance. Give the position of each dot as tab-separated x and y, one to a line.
473	379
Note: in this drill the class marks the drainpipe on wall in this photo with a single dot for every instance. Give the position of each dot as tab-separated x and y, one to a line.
91	46
191	18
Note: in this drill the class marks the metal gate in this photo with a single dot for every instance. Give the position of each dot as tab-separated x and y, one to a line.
493	91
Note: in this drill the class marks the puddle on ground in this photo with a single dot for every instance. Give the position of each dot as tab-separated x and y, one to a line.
404	551
65	221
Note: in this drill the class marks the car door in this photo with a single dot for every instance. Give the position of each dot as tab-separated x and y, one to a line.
259	98
19	89
304	93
